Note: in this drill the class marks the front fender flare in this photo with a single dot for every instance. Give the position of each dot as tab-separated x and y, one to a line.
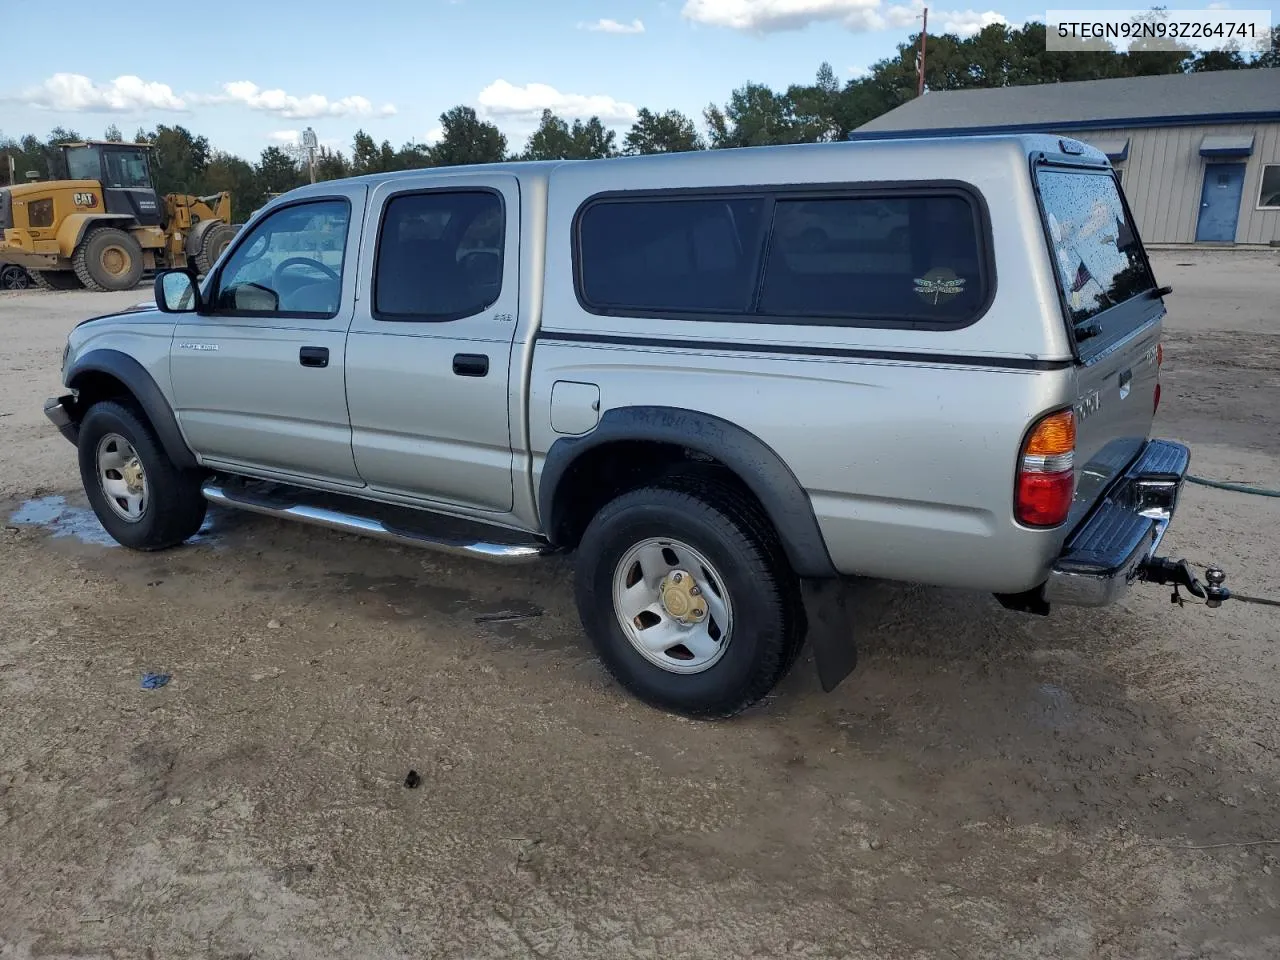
145	391
72	229
755	463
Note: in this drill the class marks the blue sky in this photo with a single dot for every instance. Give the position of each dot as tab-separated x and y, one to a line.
257	72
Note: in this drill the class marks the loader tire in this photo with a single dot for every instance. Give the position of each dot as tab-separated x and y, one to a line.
55	279
108	259
215	240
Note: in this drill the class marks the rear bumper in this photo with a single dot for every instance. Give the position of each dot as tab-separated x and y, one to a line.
1105	554
61	413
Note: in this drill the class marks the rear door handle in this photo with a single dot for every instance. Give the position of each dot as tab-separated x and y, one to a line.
470	364
313	356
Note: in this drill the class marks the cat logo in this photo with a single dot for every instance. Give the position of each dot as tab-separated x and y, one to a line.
84	199
937	283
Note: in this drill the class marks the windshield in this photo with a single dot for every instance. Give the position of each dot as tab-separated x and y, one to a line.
1099	256
83	164
127	168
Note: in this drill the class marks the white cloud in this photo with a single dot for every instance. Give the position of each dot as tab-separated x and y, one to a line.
859	16
505	100
291	107
76	93
434	136
613	26
859	72
285	136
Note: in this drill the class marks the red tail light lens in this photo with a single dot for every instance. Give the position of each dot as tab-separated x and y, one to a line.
1046	472
1156	405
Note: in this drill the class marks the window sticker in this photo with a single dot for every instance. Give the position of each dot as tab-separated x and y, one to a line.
938	284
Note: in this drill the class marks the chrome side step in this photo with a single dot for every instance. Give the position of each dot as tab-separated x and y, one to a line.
452	540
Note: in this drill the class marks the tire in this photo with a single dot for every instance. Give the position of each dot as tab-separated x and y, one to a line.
215	240
14	277
108	259
745	571
170	508
55	279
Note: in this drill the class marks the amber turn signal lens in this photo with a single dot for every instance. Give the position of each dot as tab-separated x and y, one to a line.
1053	436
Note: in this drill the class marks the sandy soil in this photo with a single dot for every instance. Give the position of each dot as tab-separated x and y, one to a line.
985	785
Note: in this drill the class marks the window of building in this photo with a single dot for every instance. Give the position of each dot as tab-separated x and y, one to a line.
1269	189
822	260
440	256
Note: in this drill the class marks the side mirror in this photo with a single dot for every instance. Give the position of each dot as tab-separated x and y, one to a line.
176	291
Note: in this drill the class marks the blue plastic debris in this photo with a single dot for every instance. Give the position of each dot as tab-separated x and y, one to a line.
153	681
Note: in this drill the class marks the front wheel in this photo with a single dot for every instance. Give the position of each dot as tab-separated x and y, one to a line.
107	260
139	496
687	599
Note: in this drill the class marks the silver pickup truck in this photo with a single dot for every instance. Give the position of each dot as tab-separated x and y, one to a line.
729	381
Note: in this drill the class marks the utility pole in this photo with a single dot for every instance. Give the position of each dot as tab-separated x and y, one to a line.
309	143
924	36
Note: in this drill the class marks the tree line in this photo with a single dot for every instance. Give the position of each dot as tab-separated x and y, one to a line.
754	115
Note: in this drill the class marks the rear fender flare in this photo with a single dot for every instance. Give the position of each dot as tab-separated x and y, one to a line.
755	463
145	391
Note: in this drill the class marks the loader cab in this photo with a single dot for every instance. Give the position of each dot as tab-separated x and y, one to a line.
124	170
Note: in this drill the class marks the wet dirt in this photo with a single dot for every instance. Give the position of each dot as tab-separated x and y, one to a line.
1098	784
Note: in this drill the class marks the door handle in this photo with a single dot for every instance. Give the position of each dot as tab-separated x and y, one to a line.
313	356
470	364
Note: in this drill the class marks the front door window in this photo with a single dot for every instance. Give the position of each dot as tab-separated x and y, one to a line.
290	265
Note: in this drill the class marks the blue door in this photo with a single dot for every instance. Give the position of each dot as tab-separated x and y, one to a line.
1220	202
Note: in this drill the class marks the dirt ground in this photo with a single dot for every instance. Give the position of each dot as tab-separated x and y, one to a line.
987	784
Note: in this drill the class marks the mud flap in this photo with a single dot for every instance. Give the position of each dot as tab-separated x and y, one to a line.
830	630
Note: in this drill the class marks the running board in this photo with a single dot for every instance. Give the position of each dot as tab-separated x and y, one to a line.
397	524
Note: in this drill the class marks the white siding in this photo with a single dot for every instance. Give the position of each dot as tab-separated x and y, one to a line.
1164	173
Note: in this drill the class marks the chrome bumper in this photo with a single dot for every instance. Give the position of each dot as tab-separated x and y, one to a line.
1106	553
59	410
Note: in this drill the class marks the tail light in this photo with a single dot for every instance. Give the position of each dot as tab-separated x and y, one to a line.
1046	471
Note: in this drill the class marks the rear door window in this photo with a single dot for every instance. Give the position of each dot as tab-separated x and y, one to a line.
1102	268
440	256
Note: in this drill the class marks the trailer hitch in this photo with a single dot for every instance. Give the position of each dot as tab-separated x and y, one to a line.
1161	570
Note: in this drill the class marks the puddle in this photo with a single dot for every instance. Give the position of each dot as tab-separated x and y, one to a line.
62	519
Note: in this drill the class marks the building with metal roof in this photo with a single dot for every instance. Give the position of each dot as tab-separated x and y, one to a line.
1198	153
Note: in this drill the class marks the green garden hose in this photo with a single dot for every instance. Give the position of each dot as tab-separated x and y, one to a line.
1237	487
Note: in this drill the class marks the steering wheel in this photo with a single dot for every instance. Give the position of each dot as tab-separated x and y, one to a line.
306	262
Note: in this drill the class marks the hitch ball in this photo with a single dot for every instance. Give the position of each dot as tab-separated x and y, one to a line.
1215	592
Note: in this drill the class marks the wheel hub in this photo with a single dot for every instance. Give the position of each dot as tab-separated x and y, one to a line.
133	475
682	598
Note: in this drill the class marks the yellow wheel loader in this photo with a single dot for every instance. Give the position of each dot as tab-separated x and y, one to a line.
105	224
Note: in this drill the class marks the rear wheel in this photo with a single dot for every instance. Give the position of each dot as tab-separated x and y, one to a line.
55	279
13	277
108	259
688	599
215	240
139	496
